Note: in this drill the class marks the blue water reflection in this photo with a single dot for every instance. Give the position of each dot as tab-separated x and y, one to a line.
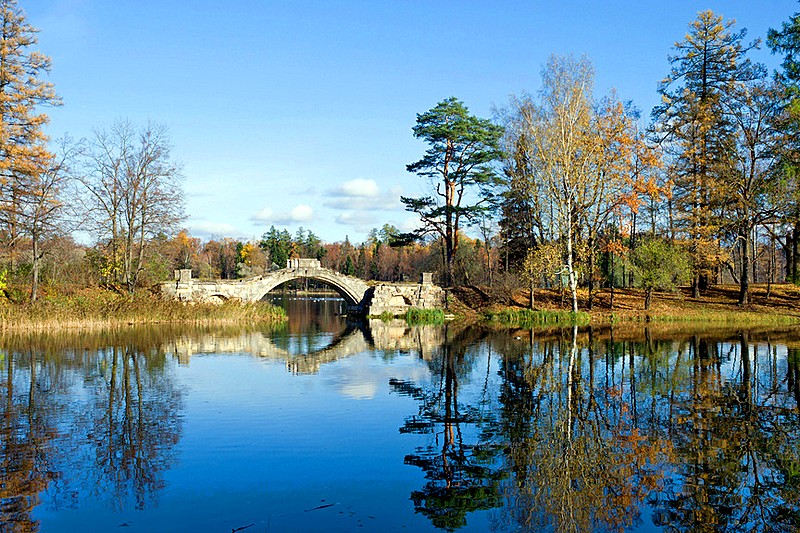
333	426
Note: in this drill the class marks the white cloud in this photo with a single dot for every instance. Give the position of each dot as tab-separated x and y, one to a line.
410	224
300	213
363	195
361	221
359	188
206	229
265	215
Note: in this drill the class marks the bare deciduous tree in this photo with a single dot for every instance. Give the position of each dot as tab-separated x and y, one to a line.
133	192
42	210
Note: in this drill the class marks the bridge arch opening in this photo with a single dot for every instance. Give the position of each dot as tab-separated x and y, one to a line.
313	287
307	300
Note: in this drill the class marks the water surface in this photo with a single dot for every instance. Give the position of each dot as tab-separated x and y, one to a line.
325	425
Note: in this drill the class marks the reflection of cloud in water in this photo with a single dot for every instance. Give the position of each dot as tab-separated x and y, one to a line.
363	376
359	391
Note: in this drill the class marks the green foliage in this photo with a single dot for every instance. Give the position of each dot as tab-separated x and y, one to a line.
386	316
308	245
3	280
418	317
527	318
278	244
660	266
462	149
281	246
544	263
349	266
787	41
516	212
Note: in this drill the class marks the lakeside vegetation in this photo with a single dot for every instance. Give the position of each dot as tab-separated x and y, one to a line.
771	306
99	309
527	318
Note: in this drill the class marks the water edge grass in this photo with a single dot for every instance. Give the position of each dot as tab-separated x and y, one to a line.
721	317
415	316
423	317
527	318
102	309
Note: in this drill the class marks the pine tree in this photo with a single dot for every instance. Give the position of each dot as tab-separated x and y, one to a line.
23	152
462	150
693	124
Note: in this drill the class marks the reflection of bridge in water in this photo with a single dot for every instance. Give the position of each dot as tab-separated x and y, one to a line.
379	335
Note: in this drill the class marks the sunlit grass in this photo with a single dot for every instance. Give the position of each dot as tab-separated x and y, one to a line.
419	317
728	318
527	318
415	316
101	309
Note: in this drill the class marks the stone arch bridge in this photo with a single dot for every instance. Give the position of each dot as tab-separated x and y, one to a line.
361	298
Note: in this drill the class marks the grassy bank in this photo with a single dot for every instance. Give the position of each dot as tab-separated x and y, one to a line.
103	309
775	306
526	318
710	316
416	316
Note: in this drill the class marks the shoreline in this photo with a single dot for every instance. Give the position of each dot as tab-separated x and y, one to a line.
98	310
718	306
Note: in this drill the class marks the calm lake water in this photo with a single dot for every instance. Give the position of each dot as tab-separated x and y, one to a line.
329	426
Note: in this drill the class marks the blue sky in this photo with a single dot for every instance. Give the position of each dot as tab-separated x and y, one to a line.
300	113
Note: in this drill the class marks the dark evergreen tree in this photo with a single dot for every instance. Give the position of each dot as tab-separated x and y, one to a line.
692	122
786	41
516	222
462	151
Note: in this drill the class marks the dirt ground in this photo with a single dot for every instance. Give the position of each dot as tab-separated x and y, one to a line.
783	299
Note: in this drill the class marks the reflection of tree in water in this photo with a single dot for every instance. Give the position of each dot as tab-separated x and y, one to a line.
702	431
134	425
579	462
26	444
736	429
119	405
462	476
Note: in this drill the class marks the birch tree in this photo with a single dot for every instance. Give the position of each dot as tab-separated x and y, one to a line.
572	154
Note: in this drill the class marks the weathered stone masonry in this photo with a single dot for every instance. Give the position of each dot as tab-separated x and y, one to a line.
361	298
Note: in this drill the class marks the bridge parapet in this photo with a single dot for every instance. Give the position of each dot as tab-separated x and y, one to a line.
303	263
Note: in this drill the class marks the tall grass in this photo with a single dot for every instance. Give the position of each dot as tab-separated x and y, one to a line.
527	318
102	309
422	317
727	318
